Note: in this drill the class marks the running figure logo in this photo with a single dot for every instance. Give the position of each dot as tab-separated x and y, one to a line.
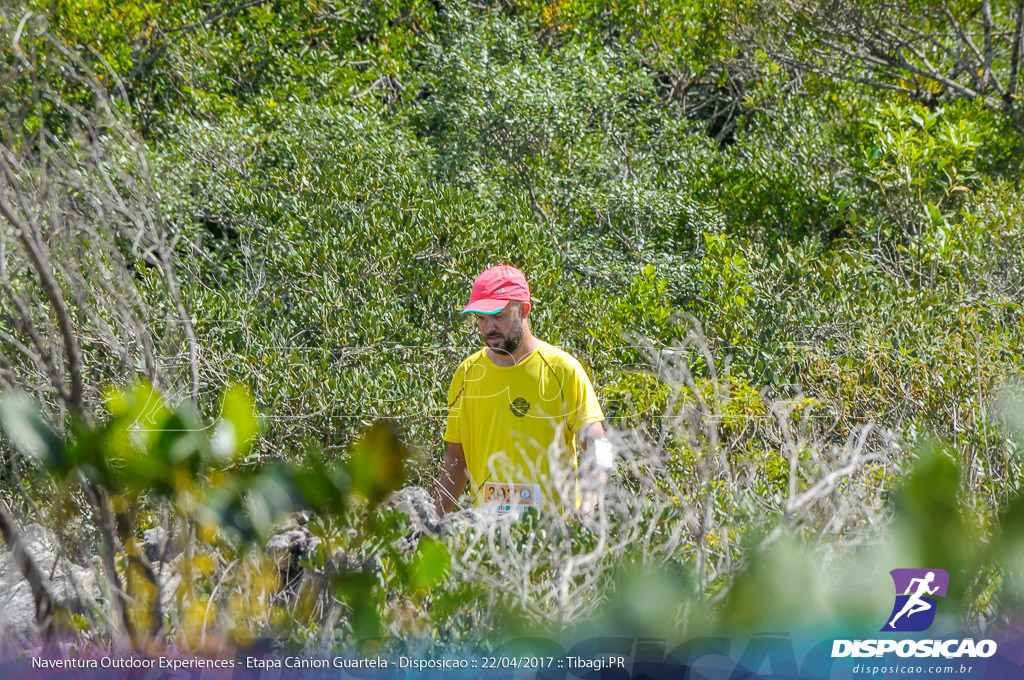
917	591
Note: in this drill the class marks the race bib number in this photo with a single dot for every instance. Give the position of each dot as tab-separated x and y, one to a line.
505	498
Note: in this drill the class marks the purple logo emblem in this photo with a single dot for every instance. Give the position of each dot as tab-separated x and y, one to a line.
917	593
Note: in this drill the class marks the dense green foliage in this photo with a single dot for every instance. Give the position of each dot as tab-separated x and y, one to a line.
788	282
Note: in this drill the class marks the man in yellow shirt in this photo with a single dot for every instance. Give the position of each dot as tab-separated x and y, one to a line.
518	411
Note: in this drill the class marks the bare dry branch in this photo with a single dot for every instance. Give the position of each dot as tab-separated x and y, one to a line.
886	45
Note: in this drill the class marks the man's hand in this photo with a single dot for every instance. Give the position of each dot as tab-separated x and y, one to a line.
451	480
595	465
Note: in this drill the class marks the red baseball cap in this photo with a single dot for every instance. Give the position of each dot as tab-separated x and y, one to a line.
495	288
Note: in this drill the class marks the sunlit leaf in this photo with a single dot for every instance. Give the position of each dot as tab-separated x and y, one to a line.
29	433
429	564
376	463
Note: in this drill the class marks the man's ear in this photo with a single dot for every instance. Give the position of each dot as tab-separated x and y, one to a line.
524	310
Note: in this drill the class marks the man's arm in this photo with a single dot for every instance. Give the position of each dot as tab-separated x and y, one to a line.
596	463
451	480
589	433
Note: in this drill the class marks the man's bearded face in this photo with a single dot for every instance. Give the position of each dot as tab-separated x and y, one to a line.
502	332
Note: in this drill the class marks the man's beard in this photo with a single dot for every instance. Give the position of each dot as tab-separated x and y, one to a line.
511	341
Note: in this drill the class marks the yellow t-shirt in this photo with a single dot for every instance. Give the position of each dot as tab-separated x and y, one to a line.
518	424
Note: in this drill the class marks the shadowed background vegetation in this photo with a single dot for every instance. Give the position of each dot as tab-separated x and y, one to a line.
785	240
